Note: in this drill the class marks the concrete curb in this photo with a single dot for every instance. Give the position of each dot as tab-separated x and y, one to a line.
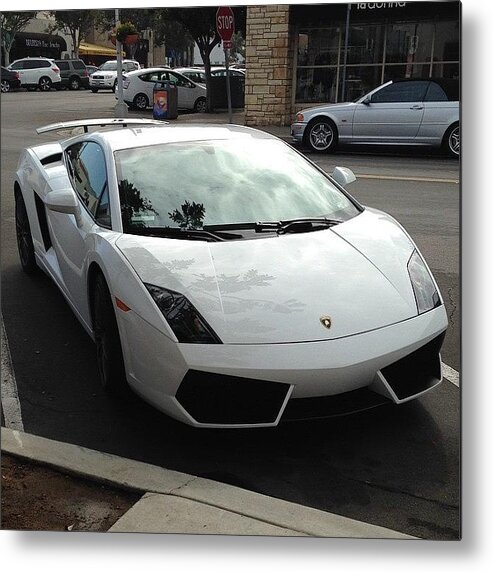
177	494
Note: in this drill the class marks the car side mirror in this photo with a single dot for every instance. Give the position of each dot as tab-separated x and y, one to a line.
366	101
64	201
343	176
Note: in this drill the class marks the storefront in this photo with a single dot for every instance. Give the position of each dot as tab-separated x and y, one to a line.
384	41
30	44
301	55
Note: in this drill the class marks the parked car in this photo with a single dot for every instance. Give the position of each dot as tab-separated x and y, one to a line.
400	112
37	73
213	317
10	80
197	75
91	69
106	75
74	74
138	86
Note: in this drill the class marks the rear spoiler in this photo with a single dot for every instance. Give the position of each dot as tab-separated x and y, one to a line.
106	122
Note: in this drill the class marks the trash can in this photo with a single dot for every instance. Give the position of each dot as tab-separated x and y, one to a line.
164	100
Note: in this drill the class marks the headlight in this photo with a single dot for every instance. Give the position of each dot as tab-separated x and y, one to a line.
184	319
425	292
300	117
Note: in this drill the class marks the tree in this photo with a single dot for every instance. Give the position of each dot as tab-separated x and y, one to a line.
237	45
200	23
13	22
76	23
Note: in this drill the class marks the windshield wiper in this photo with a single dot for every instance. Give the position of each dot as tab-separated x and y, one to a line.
307	224
184	233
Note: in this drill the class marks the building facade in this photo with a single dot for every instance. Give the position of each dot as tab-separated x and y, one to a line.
303	55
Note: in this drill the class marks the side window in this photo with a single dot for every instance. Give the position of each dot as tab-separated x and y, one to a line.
435	93
43	64
79	65
63	65
87	170
31	64
179	81
400	92
17	66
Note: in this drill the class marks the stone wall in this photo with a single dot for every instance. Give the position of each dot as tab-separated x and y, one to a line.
269	60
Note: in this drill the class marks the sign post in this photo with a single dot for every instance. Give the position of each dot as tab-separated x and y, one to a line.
225	26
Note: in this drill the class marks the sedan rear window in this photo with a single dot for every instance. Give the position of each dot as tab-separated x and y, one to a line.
223	182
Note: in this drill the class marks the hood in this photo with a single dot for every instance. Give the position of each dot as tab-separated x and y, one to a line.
326	107
276	289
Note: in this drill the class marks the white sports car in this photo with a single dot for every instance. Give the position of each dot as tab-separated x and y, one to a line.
225	278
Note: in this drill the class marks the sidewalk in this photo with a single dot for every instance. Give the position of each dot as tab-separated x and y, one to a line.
178	503
283	132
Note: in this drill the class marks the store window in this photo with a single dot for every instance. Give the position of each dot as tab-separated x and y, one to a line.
359	81
365	44
318	46
406	71
316	84
447	42
409	42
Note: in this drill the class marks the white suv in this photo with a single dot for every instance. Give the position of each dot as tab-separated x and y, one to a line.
37	73
105	76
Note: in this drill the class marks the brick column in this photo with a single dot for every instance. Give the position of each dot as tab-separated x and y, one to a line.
269	59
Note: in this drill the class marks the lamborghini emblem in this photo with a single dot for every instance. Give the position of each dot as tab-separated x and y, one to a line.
326	321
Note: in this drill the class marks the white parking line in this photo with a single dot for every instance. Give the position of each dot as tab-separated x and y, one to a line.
450	374
11	406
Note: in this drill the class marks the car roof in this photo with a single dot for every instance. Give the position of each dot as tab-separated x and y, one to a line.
134	137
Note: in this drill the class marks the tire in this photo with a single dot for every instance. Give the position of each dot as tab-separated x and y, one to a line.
44	84
140	102
451	141
94	89
5	87
113	89
24	238
109	353
321	136
200	105
74	83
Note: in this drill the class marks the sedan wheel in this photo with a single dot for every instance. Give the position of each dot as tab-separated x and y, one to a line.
201	105
24	238
454	142
108	347
45	84
321	136
5	86
140	101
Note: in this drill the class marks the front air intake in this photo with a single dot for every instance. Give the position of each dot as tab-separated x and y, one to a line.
227	400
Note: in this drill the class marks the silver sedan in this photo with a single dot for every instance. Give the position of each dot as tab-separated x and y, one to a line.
400	112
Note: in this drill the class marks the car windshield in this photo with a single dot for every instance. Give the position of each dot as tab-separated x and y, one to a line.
108	66
193	185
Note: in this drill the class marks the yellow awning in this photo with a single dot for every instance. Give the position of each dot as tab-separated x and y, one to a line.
86	49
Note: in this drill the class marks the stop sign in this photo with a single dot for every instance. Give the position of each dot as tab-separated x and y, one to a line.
225	23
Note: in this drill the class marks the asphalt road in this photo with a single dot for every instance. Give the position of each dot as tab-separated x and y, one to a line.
395	467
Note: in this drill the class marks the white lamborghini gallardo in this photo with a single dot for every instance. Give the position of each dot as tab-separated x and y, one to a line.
225	278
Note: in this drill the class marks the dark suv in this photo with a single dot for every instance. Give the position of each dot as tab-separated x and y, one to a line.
73	73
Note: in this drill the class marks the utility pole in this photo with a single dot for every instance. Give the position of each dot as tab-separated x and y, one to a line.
121	110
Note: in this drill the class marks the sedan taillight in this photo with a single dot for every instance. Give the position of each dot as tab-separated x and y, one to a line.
16	75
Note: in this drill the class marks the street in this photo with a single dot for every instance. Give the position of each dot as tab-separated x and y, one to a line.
396	467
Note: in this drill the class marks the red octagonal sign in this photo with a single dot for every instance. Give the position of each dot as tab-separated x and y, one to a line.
225	23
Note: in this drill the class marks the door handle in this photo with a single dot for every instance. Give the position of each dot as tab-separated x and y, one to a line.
417	107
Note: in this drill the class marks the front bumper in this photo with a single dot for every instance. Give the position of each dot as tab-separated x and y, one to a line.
103	83
297	131
253	385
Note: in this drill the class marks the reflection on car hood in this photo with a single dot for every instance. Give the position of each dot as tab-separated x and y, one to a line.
276	290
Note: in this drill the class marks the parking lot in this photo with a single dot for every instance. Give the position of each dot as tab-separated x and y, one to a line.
397	467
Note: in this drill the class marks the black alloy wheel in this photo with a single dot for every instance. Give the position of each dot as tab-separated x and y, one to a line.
5	86
140	102
109	353
200	105
74	83
44	84
24	238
